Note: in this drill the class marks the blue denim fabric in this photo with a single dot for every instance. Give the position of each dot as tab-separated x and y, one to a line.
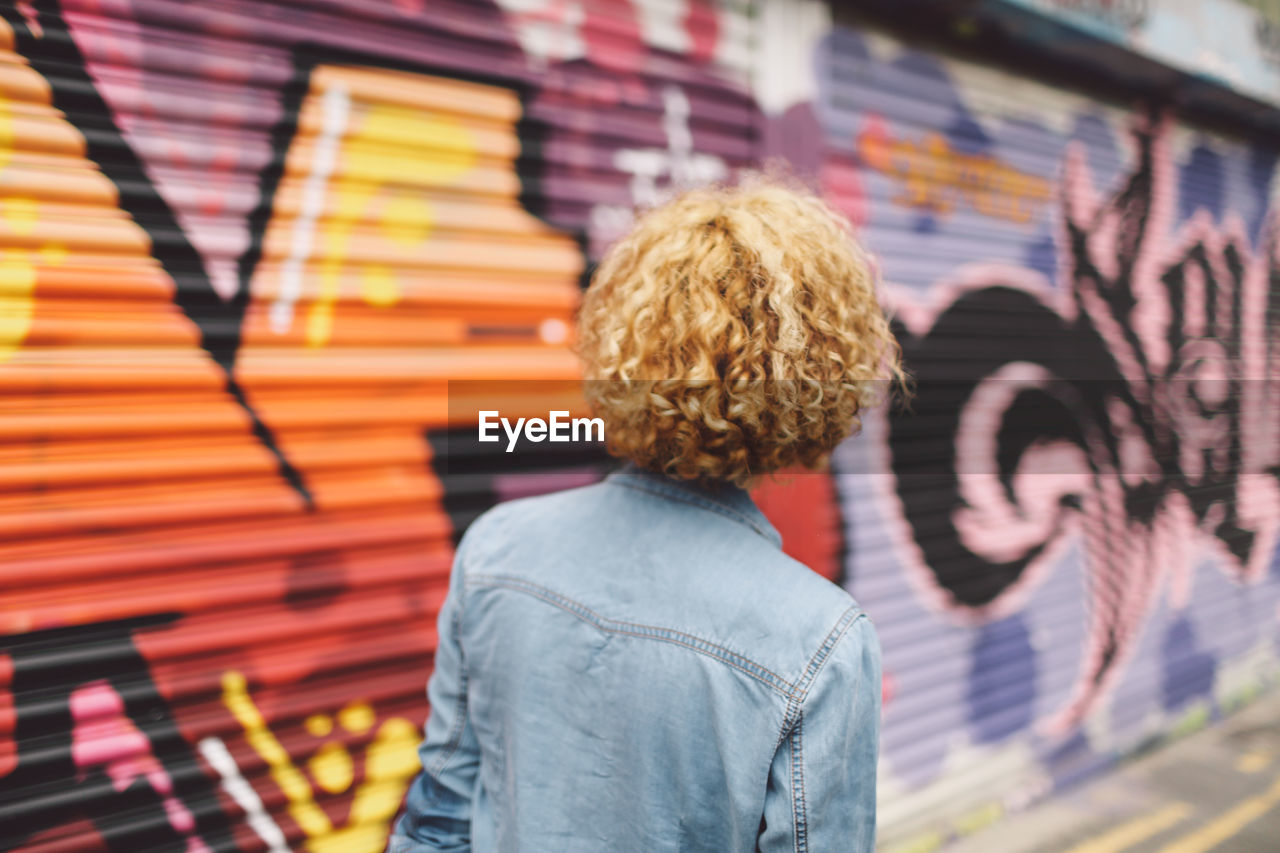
636	666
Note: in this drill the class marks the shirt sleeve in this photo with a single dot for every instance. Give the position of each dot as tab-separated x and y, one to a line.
821	794
438	804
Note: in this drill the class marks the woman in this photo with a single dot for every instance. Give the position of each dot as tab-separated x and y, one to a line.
635	665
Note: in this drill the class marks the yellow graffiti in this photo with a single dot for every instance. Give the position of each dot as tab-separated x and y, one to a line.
318	725
357	718
17	302
376	157
20	214
390	761
332	768
17	273
302	805
7	136
19	267
935	176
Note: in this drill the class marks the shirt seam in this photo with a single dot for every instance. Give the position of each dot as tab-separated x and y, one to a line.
794	722
738	661
695	500
799	801
819	658
795	803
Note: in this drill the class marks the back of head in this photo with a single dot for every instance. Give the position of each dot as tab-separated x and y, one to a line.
733	333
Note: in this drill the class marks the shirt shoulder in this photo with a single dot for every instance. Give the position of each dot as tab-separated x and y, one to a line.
637	557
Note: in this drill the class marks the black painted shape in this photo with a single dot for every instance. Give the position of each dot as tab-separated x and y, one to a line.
58	59
45	789
307	56
462	503
985	329
980	332
471	468
468	471
1217	486
1034	416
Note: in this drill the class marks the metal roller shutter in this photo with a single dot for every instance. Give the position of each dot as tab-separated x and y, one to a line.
245	246
1069	544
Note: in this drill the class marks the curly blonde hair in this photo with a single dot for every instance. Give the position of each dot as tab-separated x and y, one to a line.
733	333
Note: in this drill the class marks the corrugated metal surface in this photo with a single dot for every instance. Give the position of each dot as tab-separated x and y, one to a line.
1069	544
245	245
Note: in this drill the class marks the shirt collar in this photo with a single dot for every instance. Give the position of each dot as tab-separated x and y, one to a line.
722	497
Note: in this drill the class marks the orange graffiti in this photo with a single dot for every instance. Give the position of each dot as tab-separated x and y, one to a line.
936	177
396	255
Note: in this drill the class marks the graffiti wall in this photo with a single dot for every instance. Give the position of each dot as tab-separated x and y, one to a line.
246	246
1071	539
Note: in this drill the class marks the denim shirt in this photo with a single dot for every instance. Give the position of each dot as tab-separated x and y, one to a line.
635	665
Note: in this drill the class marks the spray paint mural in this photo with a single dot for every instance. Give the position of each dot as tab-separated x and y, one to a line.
1086	482
245	249
241	266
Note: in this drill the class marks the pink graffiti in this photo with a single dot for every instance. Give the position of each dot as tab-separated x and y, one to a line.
1201	393
202	175
616	35
1173	449
1202	363
702	23
103	736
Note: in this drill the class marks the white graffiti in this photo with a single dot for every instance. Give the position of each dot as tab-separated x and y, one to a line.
238	788
324	159
615	34
657	173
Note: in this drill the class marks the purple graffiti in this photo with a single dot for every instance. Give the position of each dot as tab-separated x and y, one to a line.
1137	412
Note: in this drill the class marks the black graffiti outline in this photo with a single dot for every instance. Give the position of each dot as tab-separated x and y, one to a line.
1101	366
55	55
45	790
468	488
